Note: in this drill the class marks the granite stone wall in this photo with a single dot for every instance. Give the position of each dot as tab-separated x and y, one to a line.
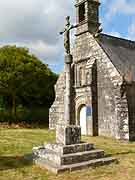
56	113
112	108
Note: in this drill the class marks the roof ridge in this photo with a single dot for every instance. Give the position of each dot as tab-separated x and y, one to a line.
119	38
121	52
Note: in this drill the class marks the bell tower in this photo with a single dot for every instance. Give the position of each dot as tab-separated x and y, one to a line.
87	16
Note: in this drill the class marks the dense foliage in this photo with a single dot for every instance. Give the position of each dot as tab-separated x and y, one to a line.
24	80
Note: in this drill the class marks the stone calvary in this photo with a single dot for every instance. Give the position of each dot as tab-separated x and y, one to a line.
91	95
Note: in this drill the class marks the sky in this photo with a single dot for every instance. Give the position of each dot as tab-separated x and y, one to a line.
36	24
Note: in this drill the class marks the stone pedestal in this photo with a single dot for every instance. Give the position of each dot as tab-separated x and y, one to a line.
68	135
58	157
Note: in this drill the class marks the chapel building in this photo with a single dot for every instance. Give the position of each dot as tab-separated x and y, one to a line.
103	80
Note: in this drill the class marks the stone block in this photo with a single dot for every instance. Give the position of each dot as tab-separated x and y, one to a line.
68	135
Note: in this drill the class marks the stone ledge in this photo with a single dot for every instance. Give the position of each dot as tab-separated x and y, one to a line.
67	149
81	157
59	169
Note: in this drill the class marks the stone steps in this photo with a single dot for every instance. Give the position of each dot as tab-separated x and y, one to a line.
57	157
81	157
58	169
69	149
68	154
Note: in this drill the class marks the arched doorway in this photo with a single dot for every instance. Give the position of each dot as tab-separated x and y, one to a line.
83	120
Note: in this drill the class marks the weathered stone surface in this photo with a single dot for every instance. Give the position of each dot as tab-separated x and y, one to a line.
67	149
68	135
81	156
65	159
56	113
58	156
72	167
68	90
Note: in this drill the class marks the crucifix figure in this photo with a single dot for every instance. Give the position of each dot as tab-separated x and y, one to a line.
66	33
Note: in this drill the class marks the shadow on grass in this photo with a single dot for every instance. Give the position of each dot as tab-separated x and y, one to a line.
14	162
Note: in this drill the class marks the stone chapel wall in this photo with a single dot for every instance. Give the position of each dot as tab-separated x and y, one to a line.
107	114
56	113
112	108
83	61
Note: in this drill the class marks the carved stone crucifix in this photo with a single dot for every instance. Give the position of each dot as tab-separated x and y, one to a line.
66	33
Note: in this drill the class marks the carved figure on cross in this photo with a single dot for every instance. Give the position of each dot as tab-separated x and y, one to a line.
66	33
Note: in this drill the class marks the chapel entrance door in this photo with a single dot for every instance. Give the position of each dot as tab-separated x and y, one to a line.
83	120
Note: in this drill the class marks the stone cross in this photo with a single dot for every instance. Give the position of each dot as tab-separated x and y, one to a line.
66	133
66	33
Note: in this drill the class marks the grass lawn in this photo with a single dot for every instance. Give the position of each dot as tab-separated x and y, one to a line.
16	143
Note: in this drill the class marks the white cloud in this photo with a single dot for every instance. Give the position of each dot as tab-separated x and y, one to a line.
35	24
49	52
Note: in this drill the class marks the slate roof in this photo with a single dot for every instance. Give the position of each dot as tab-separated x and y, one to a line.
120	51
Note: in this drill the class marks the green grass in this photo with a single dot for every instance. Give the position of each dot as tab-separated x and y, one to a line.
15	144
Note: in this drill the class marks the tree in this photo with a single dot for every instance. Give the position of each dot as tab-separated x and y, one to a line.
24	78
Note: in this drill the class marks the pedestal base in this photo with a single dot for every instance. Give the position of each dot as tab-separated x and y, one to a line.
58	157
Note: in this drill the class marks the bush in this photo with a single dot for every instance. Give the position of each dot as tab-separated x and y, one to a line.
36	115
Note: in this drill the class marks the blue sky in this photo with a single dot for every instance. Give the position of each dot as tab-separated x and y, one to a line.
35	24
118	18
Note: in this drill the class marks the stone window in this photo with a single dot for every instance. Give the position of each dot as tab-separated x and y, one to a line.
80	76
81	12
88	80
89	77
